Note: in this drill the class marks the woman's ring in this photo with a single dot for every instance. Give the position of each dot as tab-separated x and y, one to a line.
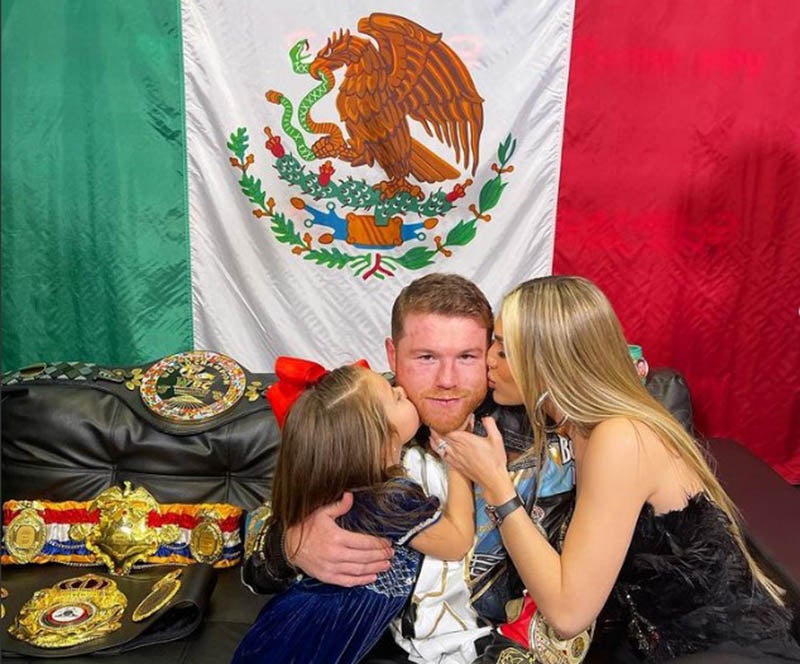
442	448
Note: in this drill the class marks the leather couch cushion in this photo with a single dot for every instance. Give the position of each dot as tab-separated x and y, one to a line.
69	440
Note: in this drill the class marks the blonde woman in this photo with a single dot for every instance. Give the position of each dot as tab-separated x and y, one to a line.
653	553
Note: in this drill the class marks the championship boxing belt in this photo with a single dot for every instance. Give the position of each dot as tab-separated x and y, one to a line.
181	394
534	639
55	611
120	528
255	523
527	638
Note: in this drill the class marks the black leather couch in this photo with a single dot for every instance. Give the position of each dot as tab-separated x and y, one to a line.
70	430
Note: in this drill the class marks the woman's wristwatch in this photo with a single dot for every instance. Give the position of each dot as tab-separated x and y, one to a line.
500	512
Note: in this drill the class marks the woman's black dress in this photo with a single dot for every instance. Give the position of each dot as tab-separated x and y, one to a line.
685	587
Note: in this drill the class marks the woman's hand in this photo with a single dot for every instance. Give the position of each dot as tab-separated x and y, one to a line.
483	460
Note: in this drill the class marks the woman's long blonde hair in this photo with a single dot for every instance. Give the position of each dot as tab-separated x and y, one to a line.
561	335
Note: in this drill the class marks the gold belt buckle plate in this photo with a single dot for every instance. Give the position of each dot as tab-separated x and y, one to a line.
192	387
26	534
206	541
72	611
122	536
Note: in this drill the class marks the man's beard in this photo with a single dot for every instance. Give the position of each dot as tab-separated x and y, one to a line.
443	421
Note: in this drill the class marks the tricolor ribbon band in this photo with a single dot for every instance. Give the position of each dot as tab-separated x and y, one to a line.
58	521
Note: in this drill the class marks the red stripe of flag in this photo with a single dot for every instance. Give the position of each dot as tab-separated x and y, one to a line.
680	198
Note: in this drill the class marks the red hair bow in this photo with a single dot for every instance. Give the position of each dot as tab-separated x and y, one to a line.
295	376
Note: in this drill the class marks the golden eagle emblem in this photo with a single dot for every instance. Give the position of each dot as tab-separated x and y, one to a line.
412	74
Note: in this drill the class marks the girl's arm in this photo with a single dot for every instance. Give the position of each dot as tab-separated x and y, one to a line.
453	535
616	479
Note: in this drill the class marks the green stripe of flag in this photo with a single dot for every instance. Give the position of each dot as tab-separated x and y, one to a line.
95	237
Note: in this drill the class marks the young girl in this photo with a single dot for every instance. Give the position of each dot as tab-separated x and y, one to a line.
345	432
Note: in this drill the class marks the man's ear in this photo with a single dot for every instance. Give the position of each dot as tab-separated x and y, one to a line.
391	355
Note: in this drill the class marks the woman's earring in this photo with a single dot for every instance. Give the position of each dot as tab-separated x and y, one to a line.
538	416
540	419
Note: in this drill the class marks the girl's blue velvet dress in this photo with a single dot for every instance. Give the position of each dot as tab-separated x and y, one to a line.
318	622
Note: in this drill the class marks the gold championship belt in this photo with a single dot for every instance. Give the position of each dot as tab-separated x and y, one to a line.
50	608
193	387
255	524
188	393
535	641
548	648
120	528
71	612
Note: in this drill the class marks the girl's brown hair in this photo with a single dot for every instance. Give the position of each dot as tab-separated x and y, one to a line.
333	440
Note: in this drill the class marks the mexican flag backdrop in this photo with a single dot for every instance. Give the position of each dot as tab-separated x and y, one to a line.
262	178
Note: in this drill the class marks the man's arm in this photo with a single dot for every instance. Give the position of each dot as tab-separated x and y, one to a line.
266	571
318	547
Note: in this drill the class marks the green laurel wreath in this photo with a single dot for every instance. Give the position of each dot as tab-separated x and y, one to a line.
358	194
